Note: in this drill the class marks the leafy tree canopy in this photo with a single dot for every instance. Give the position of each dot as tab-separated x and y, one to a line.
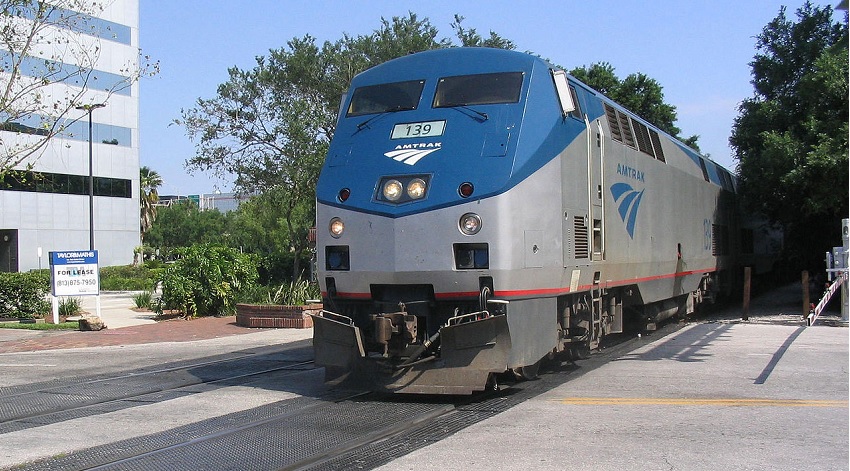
183	224
149	181
791	137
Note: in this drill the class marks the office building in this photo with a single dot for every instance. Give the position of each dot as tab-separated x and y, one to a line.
44	201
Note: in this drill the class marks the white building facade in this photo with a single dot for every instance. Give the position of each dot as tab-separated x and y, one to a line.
44	205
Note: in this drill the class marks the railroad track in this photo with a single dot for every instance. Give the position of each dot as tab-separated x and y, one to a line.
336	429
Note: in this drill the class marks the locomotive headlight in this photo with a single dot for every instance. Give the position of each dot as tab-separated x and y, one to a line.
470	223
336	228
416	188
392	190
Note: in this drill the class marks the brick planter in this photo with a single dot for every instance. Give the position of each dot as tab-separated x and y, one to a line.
270	315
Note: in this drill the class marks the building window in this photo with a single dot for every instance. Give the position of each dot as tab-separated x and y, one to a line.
71	74
60	183
77	22
76	130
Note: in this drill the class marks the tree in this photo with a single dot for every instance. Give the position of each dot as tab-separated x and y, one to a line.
149	181
40	46
638	93
791	137
270	126
266	224
183	224
471	38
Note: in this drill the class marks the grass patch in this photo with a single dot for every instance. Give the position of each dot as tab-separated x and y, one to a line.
41	326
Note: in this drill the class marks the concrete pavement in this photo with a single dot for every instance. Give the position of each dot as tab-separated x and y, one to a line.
117	309
712	396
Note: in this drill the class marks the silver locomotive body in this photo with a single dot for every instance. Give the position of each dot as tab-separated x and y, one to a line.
531	227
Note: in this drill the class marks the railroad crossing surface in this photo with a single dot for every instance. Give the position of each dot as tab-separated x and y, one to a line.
713	394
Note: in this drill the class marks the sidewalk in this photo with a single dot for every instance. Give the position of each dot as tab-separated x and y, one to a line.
125	326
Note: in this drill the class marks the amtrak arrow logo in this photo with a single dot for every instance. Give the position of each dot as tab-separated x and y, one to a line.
628	199
412	153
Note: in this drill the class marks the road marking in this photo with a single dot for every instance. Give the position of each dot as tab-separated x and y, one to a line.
730	402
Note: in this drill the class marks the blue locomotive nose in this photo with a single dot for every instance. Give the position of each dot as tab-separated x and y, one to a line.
411	138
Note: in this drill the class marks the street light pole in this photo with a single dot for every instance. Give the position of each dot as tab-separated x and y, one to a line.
88	109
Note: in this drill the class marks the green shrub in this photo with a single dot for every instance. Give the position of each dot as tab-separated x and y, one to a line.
206	280
275	268
127	278
253	294
154	264
70	306
143	300
24	294
295	293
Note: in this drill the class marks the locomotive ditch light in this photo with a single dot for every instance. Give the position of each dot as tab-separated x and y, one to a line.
470	223
416	188
392	190
336	228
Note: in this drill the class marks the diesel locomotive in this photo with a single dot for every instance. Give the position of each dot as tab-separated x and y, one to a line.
479	210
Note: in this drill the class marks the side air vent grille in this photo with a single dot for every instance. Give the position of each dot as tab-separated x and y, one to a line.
625	127
656	144
582	248
642	135
633	133
719	240
613	123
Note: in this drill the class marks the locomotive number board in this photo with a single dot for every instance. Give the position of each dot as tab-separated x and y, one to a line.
423	129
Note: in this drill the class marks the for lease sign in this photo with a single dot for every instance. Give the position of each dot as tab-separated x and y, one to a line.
74	273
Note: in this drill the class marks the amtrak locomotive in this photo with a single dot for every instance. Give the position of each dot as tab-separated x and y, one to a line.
479	210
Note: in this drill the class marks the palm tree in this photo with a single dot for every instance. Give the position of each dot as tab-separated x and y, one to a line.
149	181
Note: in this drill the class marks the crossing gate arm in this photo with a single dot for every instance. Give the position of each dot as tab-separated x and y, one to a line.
833	288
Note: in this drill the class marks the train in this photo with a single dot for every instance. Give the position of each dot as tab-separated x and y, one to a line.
480	210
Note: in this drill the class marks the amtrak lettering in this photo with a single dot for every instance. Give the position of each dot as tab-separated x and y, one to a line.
412	153
630	172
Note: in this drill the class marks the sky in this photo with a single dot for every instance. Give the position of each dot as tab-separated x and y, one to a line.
698	50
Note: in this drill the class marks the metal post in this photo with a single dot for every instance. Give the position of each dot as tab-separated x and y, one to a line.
89	109
845	296
747	283
806	299
91	187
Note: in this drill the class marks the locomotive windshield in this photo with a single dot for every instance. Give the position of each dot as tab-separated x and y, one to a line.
480	89
398	96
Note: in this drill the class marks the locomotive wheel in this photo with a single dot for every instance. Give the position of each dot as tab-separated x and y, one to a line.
579	351
528	372
492	383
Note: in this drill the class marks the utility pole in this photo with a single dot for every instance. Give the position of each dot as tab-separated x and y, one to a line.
88	109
